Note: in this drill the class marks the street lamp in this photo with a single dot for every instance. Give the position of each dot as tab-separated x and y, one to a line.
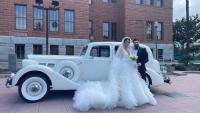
54	4
156	28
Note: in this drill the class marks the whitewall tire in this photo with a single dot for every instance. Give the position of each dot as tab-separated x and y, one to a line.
33	88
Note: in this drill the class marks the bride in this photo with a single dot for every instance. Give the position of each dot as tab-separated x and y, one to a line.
124	86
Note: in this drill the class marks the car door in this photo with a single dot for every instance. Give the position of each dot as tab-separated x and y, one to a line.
96	66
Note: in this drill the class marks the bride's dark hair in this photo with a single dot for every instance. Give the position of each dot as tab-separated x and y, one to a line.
127	38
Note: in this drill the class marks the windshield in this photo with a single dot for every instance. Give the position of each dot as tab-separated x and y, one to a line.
84	50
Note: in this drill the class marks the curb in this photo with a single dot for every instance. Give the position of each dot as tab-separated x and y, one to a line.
184	73
4	75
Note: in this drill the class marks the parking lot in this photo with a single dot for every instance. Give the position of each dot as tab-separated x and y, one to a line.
182	96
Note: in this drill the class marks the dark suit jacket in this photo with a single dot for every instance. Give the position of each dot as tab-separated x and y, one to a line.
142	58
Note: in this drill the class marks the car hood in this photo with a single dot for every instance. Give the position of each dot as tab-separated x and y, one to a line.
53	57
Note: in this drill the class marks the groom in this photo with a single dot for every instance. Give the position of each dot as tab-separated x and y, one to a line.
142	58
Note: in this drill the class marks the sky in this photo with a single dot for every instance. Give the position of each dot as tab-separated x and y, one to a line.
179	8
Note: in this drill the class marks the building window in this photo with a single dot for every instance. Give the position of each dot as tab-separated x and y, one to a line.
110	1
54	49
159	3
113	1
160	31
160	54
20	17
106	30
90	27
138	2
69	21
69	50
54	23
106	1
149	2
37	49
38	19
114	31
20	51
90	1
149	30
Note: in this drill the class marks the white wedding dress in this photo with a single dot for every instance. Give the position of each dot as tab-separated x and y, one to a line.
124	87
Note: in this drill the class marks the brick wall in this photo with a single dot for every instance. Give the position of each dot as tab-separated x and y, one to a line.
7	21
101	12
136	17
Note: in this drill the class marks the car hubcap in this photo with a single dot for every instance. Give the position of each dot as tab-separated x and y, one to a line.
67	72
34	89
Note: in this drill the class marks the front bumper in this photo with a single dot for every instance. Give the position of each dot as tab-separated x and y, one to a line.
166	78
167	81
9	81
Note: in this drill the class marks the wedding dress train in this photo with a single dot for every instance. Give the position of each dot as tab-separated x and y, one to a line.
124	87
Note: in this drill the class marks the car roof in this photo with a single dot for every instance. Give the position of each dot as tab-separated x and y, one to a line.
112	43
104	43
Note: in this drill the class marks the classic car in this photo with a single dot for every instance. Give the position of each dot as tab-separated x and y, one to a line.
41	73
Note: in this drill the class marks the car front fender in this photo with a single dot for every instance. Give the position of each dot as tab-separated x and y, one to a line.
58	81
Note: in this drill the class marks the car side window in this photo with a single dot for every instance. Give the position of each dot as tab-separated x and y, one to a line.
100	51
84	50
116	48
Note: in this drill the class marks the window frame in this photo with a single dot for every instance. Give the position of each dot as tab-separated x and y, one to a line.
161	57
90	2
70	48
20	17
90	28
21	54
141	2
37	53
53	52
109	1
161	3
42	28
151	3
113	31
108	31
71	22
53	20
152	29
161	31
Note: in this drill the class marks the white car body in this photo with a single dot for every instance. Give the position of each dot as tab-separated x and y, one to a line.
82	68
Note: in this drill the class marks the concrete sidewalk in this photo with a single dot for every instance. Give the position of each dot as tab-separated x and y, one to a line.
182	96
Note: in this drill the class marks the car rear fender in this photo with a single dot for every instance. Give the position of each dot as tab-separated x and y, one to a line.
156	78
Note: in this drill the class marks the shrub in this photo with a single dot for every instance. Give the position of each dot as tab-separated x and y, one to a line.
180	68
185	59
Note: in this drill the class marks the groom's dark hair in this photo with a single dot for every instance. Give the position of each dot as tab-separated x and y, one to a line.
135	39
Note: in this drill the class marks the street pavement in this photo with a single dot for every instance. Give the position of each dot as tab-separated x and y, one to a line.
182	96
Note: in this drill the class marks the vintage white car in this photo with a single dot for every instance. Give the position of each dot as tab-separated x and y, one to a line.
42	73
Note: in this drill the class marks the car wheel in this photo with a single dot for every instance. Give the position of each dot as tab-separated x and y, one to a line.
33	88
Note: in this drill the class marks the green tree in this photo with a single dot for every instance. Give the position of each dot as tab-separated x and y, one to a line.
180	30
180	36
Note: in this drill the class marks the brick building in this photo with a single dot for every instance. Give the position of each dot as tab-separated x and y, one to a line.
22	25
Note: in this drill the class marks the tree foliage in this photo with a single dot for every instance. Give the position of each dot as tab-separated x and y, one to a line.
180	31
182	39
